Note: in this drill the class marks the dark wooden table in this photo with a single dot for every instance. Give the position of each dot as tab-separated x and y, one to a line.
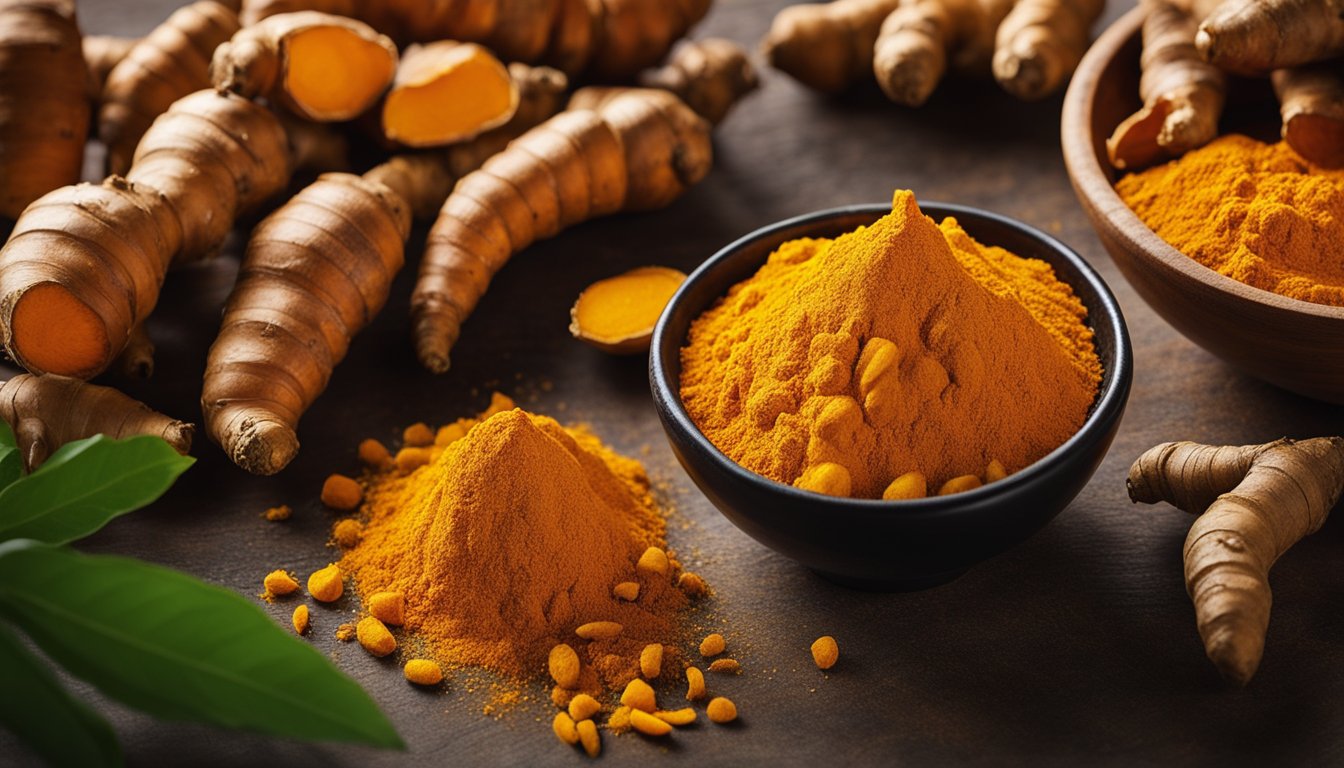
1079	645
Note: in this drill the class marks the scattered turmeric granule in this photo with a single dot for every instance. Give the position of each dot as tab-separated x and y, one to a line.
592	743
825	652
639	695
627	590
410	459
418	435
561	696
649	725
300	620
599	630
564	666
692	585
712	645
678	717
341	493
721	710
422	671
387	607
279	583
651	660
375	636
652	563
619	722
726	667
695	684
565	729
325	584
374	455
277	514
583	706
345	632
346	533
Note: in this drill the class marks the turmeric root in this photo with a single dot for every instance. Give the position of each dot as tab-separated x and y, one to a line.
917	39
605	39
1311	101
322	67
44	112
710	75
136	361
171	62
1182	95
101	54
639	150
1040	42
85	263
47	412
1256	36
1253	502
447	92
826	46
617	314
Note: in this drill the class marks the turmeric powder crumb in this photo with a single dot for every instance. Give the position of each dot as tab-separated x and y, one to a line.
277	514
652	563
695	684
565	729
417	435
345	632
825	652
713	645
341	493
627	590
678	717
279	583
726	666
564	666
651	660
583	706
423	672
592	743
325	584
561	696
721	710
619	722
410	459
346	532
374	455
692	585
375	636
599	630
300	620
639	695
387	607
649	725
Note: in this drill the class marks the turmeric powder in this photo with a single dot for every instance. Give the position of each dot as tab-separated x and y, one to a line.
905	346
1254	212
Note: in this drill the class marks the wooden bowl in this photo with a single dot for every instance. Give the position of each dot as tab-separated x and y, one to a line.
1293	344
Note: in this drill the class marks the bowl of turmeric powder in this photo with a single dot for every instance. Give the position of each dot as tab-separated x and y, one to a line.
1215	196
890	394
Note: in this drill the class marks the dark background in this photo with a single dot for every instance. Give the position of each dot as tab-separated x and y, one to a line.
1079	645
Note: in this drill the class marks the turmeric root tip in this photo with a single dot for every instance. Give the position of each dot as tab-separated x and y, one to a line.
1311	101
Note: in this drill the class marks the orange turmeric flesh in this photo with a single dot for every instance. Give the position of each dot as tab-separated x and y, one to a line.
447	92
59	333
333	71
619	313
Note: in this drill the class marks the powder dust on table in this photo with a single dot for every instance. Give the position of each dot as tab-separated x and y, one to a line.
900	347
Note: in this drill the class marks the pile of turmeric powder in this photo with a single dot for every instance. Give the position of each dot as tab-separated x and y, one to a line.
1255	212
897	359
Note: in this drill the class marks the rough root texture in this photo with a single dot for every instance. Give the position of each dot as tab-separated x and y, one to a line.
826	46
1257	36
1311	101
919	39
1253	502
1040	42
709	75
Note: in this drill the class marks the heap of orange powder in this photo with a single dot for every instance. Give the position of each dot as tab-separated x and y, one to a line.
900	357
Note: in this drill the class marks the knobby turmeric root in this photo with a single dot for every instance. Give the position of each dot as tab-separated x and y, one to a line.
85	263
101	54
1040	42
710	75
171	62
1256	36
1253	502
47	412
322	67
1183	95
826	46
918	39
44	112
638	150
447	92
1311	101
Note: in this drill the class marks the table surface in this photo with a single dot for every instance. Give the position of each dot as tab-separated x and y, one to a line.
1078	645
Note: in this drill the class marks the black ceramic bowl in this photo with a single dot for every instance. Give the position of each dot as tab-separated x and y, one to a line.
878	544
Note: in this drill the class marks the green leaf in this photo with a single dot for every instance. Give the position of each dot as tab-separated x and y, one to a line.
11	461
38	709
85	484
180	649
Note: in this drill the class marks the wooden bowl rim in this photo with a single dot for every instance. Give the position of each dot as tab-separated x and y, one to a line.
1092	181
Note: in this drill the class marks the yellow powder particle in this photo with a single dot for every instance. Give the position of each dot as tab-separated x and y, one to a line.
995	471
422	671
300	619
565	729
375	636
721	710
561	696
639	695
341	493
564	666
619	722
726	666
277	514
592	743
599	630
911	485
826	478
387	607
626	590
345	632
677	717
278	583
695	684
692	585
325	584
960	484
825	652
374	455
649	725
651	660
713	645
346	532
652	563
583	706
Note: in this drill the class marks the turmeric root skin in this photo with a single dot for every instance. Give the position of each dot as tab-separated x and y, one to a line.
1254	37
1039	44
1311	101
710	75
826	46
1253	502
101	54
919	39
47	412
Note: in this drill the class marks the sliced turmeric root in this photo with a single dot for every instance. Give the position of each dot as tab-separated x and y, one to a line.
617	314
447	92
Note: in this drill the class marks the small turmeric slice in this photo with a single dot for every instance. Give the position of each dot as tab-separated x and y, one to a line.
726	667
721	710
592	743
695	684
713	645
279	583
388	607
375	636
300	620
617	314
564	666
423	672
565	729
649	725
583	706
325	584
653	562
825	652
341	493
639	695
627	590
599	630
677	717
651	660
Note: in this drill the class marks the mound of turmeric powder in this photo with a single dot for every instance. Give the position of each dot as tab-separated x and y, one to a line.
902	349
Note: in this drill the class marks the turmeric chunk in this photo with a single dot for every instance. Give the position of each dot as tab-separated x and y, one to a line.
652	563
617	314
695	684
374	455
278	514
410	459
388	607
678	717
627	590
418	435
325	584
375	636
446	92
565	729
651	660
279	583
827	478
911	485
692	585
721	710
423	672
599	630
592	743
825	652
639	695
583	706
960	484
341	493
564	666
995	471
726	666
713	645
300	620
649	725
